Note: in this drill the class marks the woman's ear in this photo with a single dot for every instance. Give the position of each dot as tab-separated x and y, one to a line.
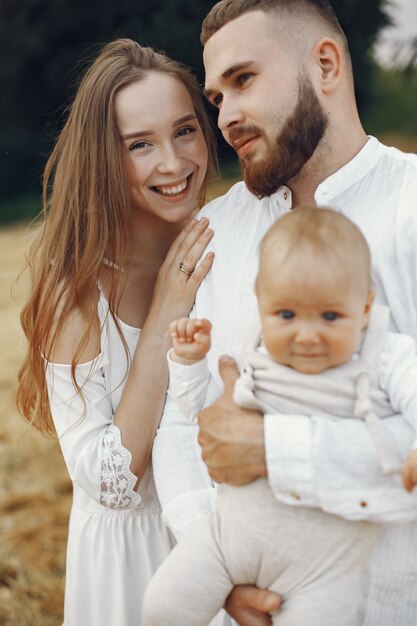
328	60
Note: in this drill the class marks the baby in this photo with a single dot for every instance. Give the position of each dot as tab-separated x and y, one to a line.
325	349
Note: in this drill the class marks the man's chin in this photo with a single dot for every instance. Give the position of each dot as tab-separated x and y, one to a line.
253	176
259	185
255	157
262	192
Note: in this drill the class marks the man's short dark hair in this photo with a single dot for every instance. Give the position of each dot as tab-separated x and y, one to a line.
227	10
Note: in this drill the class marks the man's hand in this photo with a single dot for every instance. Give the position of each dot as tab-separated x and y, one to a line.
232	438
410	471
250	606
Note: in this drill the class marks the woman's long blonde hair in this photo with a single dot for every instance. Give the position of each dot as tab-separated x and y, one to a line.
86	213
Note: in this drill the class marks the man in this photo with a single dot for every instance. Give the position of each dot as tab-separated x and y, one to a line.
280	75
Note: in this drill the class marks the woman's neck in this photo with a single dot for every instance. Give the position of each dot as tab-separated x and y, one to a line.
151	240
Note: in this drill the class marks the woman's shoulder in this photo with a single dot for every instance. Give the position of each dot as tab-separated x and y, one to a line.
75	333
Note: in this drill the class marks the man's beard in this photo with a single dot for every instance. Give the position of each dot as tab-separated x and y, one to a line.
292	148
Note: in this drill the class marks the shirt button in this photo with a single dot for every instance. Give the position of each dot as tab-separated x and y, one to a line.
295	495
363	504
285	195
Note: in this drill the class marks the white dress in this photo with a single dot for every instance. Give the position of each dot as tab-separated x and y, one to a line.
116	538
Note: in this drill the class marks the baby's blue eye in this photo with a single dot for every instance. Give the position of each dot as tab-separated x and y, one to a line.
330	316
287	314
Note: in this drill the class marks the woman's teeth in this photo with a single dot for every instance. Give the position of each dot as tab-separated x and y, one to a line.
171	190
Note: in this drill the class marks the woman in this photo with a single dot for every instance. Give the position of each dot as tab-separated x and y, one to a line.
116	253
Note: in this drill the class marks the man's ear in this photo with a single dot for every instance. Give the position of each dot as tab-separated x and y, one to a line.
328	60
368	306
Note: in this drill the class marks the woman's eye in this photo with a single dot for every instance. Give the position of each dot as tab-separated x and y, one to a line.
187	130
286	314
139	145
330	316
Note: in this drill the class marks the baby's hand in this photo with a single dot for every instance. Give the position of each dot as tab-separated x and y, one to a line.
191	339
410	471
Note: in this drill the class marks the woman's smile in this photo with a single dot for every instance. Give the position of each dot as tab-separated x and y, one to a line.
173	190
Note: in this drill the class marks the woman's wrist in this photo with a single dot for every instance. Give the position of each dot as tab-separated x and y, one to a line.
160	316
157	335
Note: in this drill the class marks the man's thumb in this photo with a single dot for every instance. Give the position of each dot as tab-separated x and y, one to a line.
229	373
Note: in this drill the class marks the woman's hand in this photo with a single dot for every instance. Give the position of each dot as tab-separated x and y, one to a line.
178	278
143	398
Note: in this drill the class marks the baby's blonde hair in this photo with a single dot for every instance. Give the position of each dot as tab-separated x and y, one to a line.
325	237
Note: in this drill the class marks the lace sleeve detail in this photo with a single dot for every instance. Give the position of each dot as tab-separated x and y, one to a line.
117	481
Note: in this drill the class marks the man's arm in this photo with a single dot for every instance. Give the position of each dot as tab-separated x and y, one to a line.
310	461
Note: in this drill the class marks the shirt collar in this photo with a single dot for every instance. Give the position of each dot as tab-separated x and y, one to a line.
284	198
351	173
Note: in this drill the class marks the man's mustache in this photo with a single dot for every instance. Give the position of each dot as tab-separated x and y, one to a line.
239	133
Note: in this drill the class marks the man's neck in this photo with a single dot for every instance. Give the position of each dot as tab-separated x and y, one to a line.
329	158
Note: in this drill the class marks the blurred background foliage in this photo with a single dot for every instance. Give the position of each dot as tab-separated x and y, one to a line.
46	44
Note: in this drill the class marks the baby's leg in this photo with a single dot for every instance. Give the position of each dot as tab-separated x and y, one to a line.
313	560
329	577
192	584
320	605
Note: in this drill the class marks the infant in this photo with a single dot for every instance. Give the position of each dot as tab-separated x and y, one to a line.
325	348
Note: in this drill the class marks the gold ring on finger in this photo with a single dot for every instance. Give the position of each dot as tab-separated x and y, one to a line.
186	270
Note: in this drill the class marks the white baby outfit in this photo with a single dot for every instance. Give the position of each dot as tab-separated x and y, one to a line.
312	559
117	538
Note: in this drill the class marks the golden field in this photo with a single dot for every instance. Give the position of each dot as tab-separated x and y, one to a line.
35	493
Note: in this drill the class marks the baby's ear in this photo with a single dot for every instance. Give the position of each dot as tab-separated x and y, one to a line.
368	306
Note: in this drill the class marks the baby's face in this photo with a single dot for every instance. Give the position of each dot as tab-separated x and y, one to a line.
311	318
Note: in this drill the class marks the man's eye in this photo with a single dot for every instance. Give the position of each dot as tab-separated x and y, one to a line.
217	100
330	316
286	314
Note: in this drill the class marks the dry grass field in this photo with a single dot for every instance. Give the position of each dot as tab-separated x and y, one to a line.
35	493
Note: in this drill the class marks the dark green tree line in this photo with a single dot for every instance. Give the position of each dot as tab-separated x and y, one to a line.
45	44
